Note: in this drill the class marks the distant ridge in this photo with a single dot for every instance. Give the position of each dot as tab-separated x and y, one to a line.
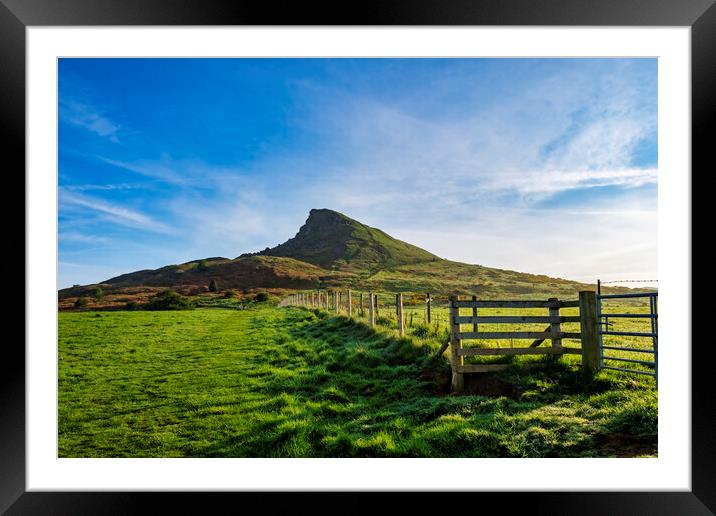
333	250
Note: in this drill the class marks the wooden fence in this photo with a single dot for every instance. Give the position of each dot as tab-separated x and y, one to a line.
339	302
588	334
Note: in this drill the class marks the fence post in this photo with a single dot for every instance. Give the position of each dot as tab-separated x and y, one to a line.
335	301
474	314
589	330
350	307
456	361
375	302
371	311
555	327
427	301
399	306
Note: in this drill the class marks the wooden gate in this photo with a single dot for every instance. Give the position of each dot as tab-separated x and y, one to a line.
588	334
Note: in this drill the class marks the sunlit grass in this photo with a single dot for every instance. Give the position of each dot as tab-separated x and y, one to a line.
289	382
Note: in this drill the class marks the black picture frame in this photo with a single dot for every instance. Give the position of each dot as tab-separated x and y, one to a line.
700	15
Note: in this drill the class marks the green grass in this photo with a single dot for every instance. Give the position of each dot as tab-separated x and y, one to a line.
416	323
288	382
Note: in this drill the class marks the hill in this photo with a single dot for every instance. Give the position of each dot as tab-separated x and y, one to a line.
334	241
248	272
333	250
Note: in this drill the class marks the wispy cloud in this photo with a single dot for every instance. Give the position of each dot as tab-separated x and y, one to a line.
161	170
89	117
82	238
104	187
548	182
188	173
113	212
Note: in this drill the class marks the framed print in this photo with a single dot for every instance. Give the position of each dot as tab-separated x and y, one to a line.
401	145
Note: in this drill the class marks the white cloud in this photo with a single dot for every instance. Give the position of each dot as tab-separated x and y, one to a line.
582	246
548	182
81	238
88	117
149	168
106	187
113	212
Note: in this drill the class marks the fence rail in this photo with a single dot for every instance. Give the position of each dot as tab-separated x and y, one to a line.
514	319
593	325
515	304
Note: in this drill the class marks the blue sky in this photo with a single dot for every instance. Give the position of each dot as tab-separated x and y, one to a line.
538	165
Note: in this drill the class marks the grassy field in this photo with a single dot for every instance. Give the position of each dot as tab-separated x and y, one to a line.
289	382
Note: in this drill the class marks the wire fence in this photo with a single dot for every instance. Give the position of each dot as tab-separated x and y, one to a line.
613	282
629	281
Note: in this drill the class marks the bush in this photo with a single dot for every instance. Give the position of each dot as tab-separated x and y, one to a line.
98	293
169	300
81	302
229	294
213	286
261	297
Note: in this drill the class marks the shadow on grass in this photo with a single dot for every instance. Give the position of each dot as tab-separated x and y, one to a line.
358	392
